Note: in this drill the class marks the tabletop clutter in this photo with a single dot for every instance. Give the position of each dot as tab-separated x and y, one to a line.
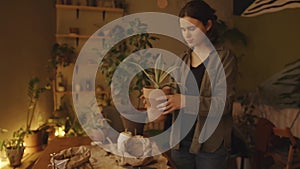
129	151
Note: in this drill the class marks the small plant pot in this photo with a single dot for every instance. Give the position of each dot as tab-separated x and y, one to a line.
15	155
151	95
33	141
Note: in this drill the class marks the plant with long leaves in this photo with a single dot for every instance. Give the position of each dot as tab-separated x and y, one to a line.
157	76
33	92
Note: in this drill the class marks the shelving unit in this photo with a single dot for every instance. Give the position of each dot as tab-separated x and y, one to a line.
78	36
72	36
89	8
84	18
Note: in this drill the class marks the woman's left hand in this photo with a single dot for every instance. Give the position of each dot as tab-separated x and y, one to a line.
174	102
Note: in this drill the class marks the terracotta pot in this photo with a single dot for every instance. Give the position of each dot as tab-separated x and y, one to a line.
151	95
15	156
34	141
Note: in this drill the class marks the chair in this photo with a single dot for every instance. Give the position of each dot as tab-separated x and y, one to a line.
288	151
263	136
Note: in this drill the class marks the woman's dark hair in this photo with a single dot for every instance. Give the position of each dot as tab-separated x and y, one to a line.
201	11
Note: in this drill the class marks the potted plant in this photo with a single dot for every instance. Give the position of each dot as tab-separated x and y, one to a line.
62	55
116	55
157	83
14	147
33	138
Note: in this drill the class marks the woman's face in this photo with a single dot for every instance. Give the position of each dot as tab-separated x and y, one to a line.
193	31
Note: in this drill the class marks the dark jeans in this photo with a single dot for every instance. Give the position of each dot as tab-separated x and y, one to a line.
203	160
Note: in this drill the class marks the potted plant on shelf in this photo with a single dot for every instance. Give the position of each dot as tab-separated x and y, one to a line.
34	138
62	55
14	147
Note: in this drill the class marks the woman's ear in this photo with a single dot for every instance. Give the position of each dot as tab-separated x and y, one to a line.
208	25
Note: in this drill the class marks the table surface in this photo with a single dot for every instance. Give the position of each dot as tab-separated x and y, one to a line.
27	161
59	144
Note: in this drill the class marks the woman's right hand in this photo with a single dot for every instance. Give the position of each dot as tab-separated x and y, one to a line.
173	102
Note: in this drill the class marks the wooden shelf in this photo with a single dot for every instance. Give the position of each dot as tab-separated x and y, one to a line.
89	8
72	36
78	36
65	16
70	92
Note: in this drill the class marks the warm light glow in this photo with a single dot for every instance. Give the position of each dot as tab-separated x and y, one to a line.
60	131
3	159
3	162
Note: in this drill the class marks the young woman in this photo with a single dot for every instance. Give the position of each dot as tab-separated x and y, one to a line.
197	18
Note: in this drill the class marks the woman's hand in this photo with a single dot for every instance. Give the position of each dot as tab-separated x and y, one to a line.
174	102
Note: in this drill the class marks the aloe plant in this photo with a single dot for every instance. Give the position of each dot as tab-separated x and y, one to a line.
158	74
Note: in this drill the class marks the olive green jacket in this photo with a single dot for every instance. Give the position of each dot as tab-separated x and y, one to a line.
218	124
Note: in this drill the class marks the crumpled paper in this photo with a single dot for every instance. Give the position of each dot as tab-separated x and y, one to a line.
72	158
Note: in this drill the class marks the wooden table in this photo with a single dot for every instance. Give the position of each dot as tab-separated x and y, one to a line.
59	144
27	161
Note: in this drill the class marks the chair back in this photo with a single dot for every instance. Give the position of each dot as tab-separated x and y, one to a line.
288	160
263	136
285	133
